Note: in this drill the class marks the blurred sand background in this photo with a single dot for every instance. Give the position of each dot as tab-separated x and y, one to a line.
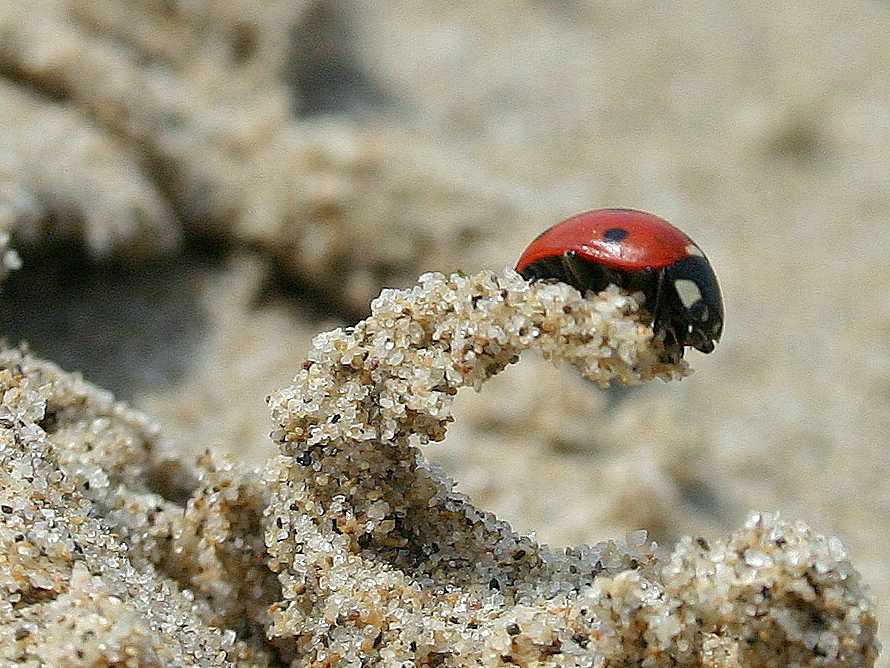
414	136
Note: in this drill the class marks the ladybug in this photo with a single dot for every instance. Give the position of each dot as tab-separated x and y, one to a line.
638	252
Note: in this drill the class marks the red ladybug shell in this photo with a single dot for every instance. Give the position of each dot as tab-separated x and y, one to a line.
623	239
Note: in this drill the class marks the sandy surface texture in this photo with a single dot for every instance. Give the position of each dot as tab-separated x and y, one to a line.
191	191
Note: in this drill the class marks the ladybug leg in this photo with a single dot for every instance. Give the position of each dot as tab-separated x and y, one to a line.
658	297
584	275
673	348
574	271
663	323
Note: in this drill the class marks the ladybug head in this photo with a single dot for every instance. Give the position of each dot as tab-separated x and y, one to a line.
692	306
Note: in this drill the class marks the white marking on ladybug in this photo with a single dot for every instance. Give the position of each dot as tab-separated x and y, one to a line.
688	290
692	249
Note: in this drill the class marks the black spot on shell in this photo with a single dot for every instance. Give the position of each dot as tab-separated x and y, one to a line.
615	234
